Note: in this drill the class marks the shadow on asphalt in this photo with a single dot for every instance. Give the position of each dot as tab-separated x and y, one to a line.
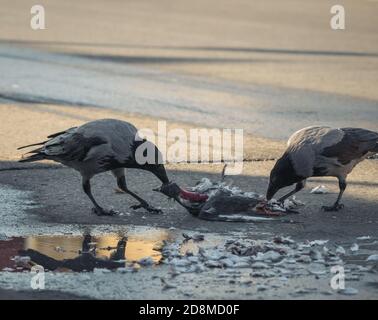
204	48
60	200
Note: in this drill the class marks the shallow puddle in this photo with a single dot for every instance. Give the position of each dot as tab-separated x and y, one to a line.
79	253
133	249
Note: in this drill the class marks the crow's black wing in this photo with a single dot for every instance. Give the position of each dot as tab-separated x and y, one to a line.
355	143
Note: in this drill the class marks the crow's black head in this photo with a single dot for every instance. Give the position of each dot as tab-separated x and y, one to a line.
147	156
192	201
282	175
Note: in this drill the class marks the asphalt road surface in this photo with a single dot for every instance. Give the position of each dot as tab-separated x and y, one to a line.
268	111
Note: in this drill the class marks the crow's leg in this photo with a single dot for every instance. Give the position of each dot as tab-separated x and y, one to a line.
337	205
97	209
121	182
298	187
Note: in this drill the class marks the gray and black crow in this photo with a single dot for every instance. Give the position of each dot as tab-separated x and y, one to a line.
100	146
321	151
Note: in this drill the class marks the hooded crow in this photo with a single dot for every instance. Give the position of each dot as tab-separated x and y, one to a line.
321	151
100	146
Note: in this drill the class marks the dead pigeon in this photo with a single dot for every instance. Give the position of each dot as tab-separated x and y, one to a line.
217	201
321	151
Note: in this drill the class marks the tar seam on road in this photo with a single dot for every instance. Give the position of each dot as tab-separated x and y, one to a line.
46	167
33	168
180	162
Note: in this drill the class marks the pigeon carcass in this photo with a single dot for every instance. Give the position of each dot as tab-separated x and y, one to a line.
217	201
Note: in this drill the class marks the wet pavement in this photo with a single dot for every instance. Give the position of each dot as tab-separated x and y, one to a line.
256	263
138	255
187	264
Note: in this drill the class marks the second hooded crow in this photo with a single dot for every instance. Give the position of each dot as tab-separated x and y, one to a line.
321	151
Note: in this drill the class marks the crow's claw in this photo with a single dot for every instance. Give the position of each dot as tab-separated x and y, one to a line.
136	206
147	207
335	207
103	212
154	210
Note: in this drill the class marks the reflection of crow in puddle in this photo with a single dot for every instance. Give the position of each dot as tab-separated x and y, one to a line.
86	260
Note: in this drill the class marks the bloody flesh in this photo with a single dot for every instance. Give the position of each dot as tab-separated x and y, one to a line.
193	196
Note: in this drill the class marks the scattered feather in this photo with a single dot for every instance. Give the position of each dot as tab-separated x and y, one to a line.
373	257
319	190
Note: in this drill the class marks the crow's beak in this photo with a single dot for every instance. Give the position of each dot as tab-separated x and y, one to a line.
172	190
272	190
